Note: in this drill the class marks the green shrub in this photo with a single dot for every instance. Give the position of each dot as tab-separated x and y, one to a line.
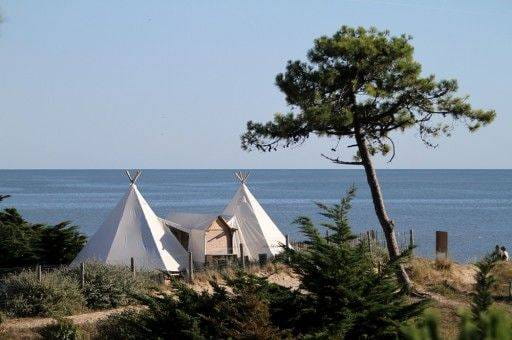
493	324
55	295
109	286
126	325
347	296
63	329
242	313
25	244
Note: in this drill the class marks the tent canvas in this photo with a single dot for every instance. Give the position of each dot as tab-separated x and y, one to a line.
133	230
260	234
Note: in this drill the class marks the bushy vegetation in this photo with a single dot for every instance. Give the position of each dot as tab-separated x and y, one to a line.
56	294
482	322
108	286
482	296
59	292
342	295
24	244
243	310
493	325
346	295
62	329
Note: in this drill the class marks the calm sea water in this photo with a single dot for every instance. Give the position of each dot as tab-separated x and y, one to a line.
474	206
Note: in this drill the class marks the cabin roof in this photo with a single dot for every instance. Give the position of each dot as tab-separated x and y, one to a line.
193	221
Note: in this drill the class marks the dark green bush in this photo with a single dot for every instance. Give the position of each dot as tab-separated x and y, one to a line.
25	244
62	329
109	286
55	295
187	314
347	296
493	324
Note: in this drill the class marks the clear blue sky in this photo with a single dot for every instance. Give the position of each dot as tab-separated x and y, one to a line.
171	84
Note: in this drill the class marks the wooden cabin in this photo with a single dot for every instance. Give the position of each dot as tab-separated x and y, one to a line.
212	239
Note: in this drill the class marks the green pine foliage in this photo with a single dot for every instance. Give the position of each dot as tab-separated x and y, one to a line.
493	325
483	322
242	313
346	296
361	87
482	296
62	329
25	244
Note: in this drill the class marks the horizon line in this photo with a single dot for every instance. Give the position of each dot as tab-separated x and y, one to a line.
233	169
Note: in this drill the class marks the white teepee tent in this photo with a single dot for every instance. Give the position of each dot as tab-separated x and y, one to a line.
133	230
260	234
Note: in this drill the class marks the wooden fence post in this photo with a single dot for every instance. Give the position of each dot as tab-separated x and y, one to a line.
368	236
287	241
411	241
39	273
510	290
242	256
132	266
82	275
190	267
441	244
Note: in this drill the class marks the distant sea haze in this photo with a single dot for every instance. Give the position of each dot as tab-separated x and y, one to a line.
473	206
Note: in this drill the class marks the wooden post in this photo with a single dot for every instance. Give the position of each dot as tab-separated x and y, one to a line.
287	241
441	244
190	267
132	266
39	273
411	241
82	275
242	256
368	236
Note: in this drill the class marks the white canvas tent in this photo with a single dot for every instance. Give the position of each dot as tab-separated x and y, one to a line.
208	234
260	234
133	230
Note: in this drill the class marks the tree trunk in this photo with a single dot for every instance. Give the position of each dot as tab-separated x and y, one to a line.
378	203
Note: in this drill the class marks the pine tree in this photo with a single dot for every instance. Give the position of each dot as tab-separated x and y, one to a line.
23	243
345	294
493	325
362	85
482	296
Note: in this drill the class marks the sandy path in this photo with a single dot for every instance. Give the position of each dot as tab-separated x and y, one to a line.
31	323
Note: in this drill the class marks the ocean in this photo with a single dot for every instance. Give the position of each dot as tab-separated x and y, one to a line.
473	206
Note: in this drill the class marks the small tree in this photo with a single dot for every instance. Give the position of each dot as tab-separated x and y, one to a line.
493	325
482	296
59	244
23	243
363	85
347	297
242	313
